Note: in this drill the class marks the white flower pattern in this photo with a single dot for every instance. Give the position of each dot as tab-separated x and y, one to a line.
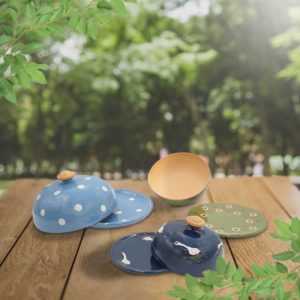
236	229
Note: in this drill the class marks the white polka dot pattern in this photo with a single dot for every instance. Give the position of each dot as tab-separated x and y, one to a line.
61	221
78	207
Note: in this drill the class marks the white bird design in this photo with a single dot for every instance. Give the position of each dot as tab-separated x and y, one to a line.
161	229
148	238
220	245
125	260
191	250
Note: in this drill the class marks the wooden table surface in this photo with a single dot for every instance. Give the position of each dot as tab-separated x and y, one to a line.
35	265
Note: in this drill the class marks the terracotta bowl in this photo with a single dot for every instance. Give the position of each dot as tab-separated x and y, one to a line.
179	179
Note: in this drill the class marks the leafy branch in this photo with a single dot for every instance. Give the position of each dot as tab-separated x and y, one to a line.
24	26
267	282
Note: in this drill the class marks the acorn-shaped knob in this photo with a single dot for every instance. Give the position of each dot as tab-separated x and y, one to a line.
195	221
65	175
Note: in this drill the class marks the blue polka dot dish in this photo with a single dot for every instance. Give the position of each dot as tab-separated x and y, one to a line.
182	247
73	203
131	208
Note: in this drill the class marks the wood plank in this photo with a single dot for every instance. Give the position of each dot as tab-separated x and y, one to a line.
250	192
15	211
287	194
94	276
38	265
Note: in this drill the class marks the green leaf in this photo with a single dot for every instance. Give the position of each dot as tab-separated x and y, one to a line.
24	79
92	29
296	245
73	22
291	276
281	268
258	271
220	265
254	285
297	290
46	10
287	295
280	292
13	79
230	269
29	11
264	291
271	270
211	277
3	67
283	228
205	287
131	1
9	59
119	7
238	275
280	237
193	286
284	255
30	48
180	292
81	25
21	59
103	4
33	66
295	226
6	89
5	39
296	259
36	76
55	29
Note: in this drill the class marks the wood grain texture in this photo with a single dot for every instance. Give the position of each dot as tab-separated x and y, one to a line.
250	192
15	211
76	265
38	265
95	277
285	192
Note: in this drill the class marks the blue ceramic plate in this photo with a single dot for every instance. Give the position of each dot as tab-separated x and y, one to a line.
131	208
133	254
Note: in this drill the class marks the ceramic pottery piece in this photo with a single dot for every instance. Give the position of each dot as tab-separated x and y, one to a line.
179	178
133	254
231	220
73	202
131	208
183	247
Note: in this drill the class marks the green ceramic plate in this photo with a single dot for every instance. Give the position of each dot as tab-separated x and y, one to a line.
231	220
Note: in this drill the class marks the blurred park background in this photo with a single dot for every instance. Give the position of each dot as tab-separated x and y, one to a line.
219	78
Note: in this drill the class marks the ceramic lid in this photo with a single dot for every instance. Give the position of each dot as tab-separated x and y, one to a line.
187	246
131	208
184	247
73	202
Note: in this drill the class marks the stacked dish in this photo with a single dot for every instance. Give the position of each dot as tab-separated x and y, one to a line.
183	247
74	202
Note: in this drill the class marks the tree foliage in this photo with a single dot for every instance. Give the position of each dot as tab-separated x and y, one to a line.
207	85
26	25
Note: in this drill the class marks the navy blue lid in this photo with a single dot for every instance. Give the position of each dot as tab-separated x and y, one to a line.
186	250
